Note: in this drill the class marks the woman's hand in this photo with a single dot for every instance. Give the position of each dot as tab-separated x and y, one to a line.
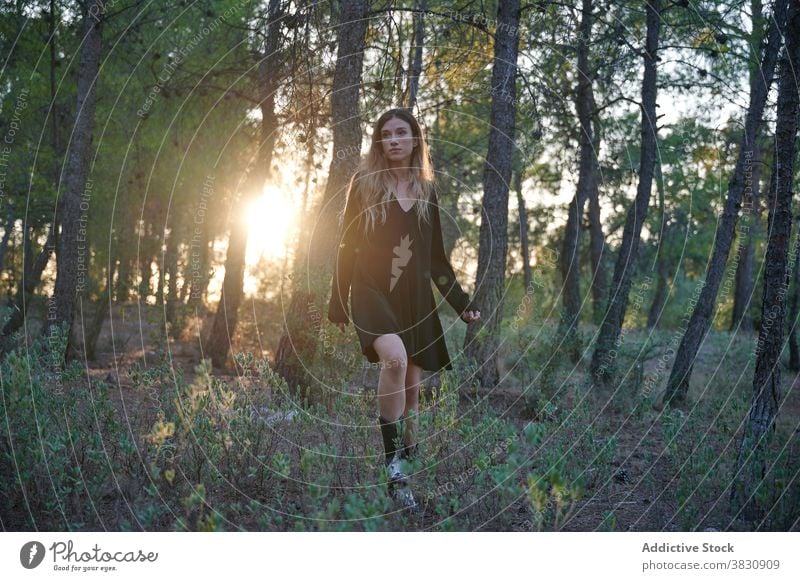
469	316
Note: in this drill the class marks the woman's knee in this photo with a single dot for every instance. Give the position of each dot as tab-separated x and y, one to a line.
392	353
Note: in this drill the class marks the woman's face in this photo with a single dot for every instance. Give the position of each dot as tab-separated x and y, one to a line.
397	141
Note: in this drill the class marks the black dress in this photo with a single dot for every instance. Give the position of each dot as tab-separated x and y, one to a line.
390	271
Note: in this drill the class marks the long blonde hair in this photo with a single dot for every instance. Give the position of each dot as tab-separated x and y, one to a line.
373	182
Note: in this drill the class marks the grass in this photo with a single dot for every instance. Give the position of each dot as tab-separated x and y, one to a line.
546	450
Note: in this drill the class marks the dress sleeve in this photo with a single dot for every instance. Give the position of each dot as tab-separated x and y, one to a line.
441	269
345	258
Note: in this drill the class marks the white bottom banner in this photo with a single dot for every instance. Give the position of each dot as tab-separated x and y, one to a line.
372	556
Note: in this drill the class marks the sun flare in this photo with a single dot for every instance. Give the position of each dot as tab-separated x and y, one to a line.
270	219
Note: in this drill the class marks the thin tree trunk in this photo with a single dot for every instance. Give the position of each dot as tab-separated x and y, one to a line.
298	344
662	290
481	346
92	333
72	243
597	239
8	228
662	266
145	273
700	321
523	231
415	57
52	18
570	263
226	319
767	393
611	327
162	279
32	270
171	267
794	308
198	273
742	319
122	292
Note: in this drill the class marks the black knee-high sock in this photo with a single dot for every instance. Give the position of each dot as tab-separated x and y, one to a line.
407	452
392	436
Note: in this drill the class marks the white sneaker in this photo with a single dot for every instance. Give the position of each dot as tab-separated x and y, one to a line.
399	489
395	470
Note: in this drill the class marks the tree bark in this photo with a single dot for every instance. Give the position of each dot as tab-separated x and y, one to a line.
72	244
597	238
297	346
767	394
144	289
523	232
663	273
415	57
481	340
742	319
570	263
92	333
171	268
794	306
8	228
700	321
605	351
226	318
32	270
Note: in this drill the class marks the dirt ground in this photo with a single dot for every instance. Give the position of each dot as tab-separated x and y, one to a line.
641	492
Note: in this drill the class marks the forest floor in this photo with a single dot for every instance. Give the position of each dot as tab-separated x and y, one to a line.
659	477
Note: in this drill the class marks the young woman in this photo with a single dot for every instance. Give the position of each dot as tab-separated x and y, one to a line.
390	251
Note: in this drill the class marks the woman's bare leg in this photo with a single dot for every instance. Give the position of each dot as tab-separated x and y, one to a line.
391	382
412	383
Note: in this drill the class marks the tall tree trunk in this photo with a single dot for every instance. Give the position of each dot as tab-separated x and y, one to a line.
198	271
767	394
523	231
742	319
662	264
298	344
8	228
597	239
611	327
171	267
481	346
145	273
72	245
123	290
570	262
415	56
92	333
32	270
794	308
52	18
162	280
660	296
700	321
227	316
